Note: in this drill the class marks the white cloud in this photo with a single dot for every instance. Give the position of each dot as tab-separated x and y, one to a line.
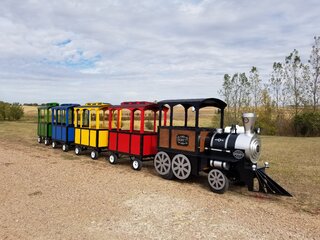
143	50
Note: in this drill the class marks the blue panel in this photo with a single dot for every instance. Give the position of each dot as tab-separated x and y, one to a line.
70	134
58	132
54	132
64	133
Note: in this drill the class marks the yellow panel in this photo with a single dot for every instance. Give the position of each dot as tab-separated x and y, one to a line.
85	137
103	138
77	136
93	138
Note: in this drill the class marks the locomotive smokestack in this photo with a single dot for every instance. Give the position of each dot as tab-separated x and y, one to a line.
248	122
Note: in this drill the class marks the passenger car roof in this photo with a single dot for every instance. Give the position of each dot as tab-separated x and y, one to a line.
197	103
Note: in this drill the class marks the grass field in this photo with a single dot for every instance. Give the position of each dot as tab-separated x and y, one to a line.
294	162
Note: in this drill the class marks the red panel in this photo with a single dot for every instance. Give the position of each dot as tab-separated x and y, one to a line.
150	145
112	141
135	144
123	142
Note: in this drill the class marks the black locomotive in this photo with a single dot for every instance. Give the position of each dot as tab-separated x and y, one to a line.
226	156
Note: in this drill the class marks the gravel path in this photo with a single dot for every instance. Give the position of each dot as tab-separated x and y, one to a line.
48	194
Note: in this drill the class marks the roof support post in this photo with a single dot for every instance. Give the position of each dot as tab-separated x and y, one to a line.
185	117
142	121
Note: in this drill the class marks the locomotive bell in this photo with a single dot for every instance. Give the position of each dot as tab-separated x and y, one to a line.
248	122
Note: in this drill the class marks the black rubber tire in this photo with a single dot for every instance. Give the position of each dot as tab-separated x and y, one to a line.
136	164
163	156
77	150
54	144
39	140
94	154
46	142
113	158
65	147
221	180
168	176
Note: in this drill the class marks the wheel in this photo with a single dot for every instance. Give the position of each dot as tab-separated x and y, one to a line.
181	166
94	154
65	147
46	142
162	164
218	182
54	144
113	158
77	150
39	140
137	164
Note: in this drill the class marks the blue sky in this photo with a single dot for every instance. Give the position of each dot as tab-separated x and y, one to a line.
113	51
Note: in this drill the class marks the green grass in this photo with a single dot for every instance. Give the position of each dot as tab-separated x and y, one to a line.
294	163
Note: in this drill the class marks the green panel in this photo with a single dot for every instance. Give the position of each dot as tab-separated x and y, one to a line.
44	129
49	128
41	131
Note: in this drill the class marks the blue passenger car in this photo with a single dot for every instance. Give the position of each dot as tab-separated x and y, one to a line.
63	126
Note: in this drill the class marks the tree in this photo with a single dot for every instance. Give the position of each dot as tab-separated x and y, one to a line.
315	69
255	83
226	90
293	76
265	120
306	86
236	93
240	94
276	84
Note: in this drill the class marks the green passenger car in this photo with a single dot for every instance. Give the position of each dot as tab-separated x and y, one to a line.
44	123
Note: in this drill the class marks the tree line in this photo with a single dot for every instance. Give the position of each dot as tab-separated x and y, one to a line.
287	103
10	111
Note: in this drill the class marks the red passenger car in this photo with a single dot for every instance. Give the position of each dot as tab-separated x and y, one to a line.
138	141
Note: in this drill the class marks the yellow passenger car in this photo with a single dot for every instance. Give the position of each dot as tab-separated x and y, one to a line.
91	123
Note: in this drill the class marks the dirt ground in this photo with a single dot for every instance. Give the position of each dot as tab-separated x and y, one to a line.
48	194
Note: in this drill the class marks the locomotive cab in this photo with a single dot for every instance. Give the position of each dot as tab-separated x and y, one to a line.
189	148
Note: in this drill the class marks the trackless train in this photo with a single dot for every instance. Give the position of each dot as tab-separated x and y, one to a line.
150	131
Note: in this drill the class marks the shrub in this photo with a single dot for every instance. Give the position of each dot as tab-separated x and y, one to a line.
10	111
15	112
307	124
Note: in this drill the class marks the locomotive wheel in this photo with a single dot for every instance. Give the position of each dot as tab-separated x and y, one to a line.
39	140
136	164
181	166
162	164
113	158
218	182
54	144
94	154
46	142
65	147
77	150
